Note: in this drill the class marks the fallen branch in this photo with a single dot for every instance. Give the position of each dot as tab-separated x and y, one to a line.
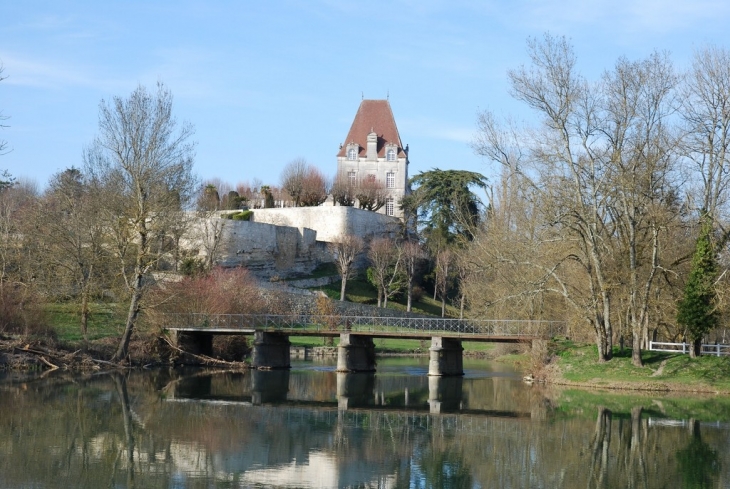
52	366
206	360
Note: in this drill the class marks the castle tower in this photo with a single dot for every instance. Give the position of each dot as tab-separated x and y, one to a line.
373	151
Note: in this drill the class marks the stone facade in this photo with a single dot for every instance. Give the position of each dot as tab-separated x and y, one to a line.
285	242
373	151
329	222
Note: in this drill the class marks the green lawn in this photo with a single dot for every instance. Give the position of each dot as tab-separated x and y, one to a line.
105	320
578	363
361	291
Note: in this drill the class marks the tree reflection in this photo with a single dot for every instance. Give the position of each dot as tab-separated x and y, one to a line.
120	382
443	469
698	462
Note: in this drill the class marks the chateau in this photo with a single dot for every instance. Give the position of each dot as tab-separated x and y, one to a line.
373	151
292	241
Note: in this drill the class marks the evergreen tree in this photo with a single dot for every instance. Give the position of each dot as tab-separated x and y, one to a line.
697	311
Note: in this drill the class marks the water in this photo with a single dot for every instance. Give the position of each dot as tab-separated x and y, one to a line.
312	427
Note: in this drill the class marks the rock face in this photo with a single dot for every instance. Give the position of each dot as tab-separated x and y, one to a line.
285	242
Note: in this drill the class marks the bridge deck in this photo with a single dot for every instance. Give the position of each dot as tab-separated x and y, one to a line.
419	335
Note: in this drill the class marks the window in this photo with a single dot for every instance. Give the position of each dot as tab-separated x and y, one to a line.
352	178
390	154
389	206
390	180
351	154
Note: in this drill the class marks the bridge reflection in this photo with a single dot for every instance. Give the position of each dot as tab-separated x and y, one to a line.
354	391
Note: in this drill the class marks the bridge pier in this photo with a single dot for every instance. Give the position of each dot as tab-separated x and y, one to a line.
445	357
355	390
269	386
444	394
193	342
356	353
271	350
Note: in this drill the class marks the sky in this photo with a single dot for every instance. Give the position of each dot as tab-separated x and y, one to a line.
265	83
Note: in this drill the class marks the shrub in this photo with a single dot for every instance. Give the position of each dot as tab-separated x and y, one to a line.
417	293
222	291
241	216
191	267
20	312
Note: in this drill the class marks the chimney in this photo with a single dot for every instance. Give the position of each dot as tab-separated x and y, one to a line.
372	151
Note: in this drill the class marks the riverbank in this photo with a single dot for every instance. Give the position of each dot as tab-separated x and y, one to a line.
563	363
575	365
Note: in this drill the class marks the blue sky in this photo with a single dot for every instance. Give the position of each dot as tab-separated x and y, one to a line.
268	82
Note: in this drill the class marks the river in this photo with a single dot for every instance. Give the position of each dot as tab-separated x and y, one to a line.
312	427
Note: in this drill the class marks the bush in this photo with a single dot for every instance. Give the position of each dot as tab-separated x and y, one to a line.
20	312
239	216
191	267
223	291
417	293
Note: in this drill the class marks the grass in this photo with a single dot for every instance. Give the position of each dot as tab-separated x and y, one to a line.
361	291
322	270
105	320
578	363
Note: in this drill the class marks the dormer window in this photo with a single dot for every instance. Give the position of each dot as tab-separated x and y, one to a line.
390	154
352	151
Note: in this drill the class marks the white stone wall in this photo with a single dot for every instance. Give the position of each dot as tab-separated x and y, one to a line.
329	222
285	242
265	249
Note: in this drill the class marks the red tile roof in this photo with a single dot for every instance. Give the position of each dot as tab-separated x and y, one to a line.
373	115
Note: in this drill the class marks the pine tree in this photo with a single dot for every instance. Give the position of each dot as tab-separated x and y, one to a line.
697	310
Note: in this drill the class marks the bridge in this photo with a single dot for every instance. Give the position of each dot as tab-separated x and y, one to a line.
356	350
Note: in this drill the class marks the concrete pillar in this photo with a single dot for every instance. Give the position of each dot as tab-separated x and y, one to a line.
195	343
269	387
444	394
355	353
355	390
446	357
270	350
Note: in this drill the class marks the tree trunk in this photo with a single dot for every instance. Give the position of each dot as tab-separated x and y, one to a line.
695	348
85	314
134	306
344	285
409	302
636	352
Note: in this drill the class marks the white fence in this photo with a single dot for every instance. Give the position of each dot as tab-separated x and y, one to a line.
717	349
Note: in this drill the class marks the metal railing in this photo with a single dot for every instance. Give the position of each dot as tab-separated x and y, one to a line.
367	324
717	349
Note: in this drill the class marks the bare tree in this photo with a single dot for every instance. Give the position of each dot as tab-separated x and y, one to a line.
706	98
371	194
143	161
345	249
412	255
315	188
386	271
343	190
73	234
442	271
3	143
292	179
595	180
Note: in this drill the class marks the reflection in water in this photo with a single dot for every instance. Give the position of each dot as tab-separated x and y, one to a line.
444	394
699	463
317	428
